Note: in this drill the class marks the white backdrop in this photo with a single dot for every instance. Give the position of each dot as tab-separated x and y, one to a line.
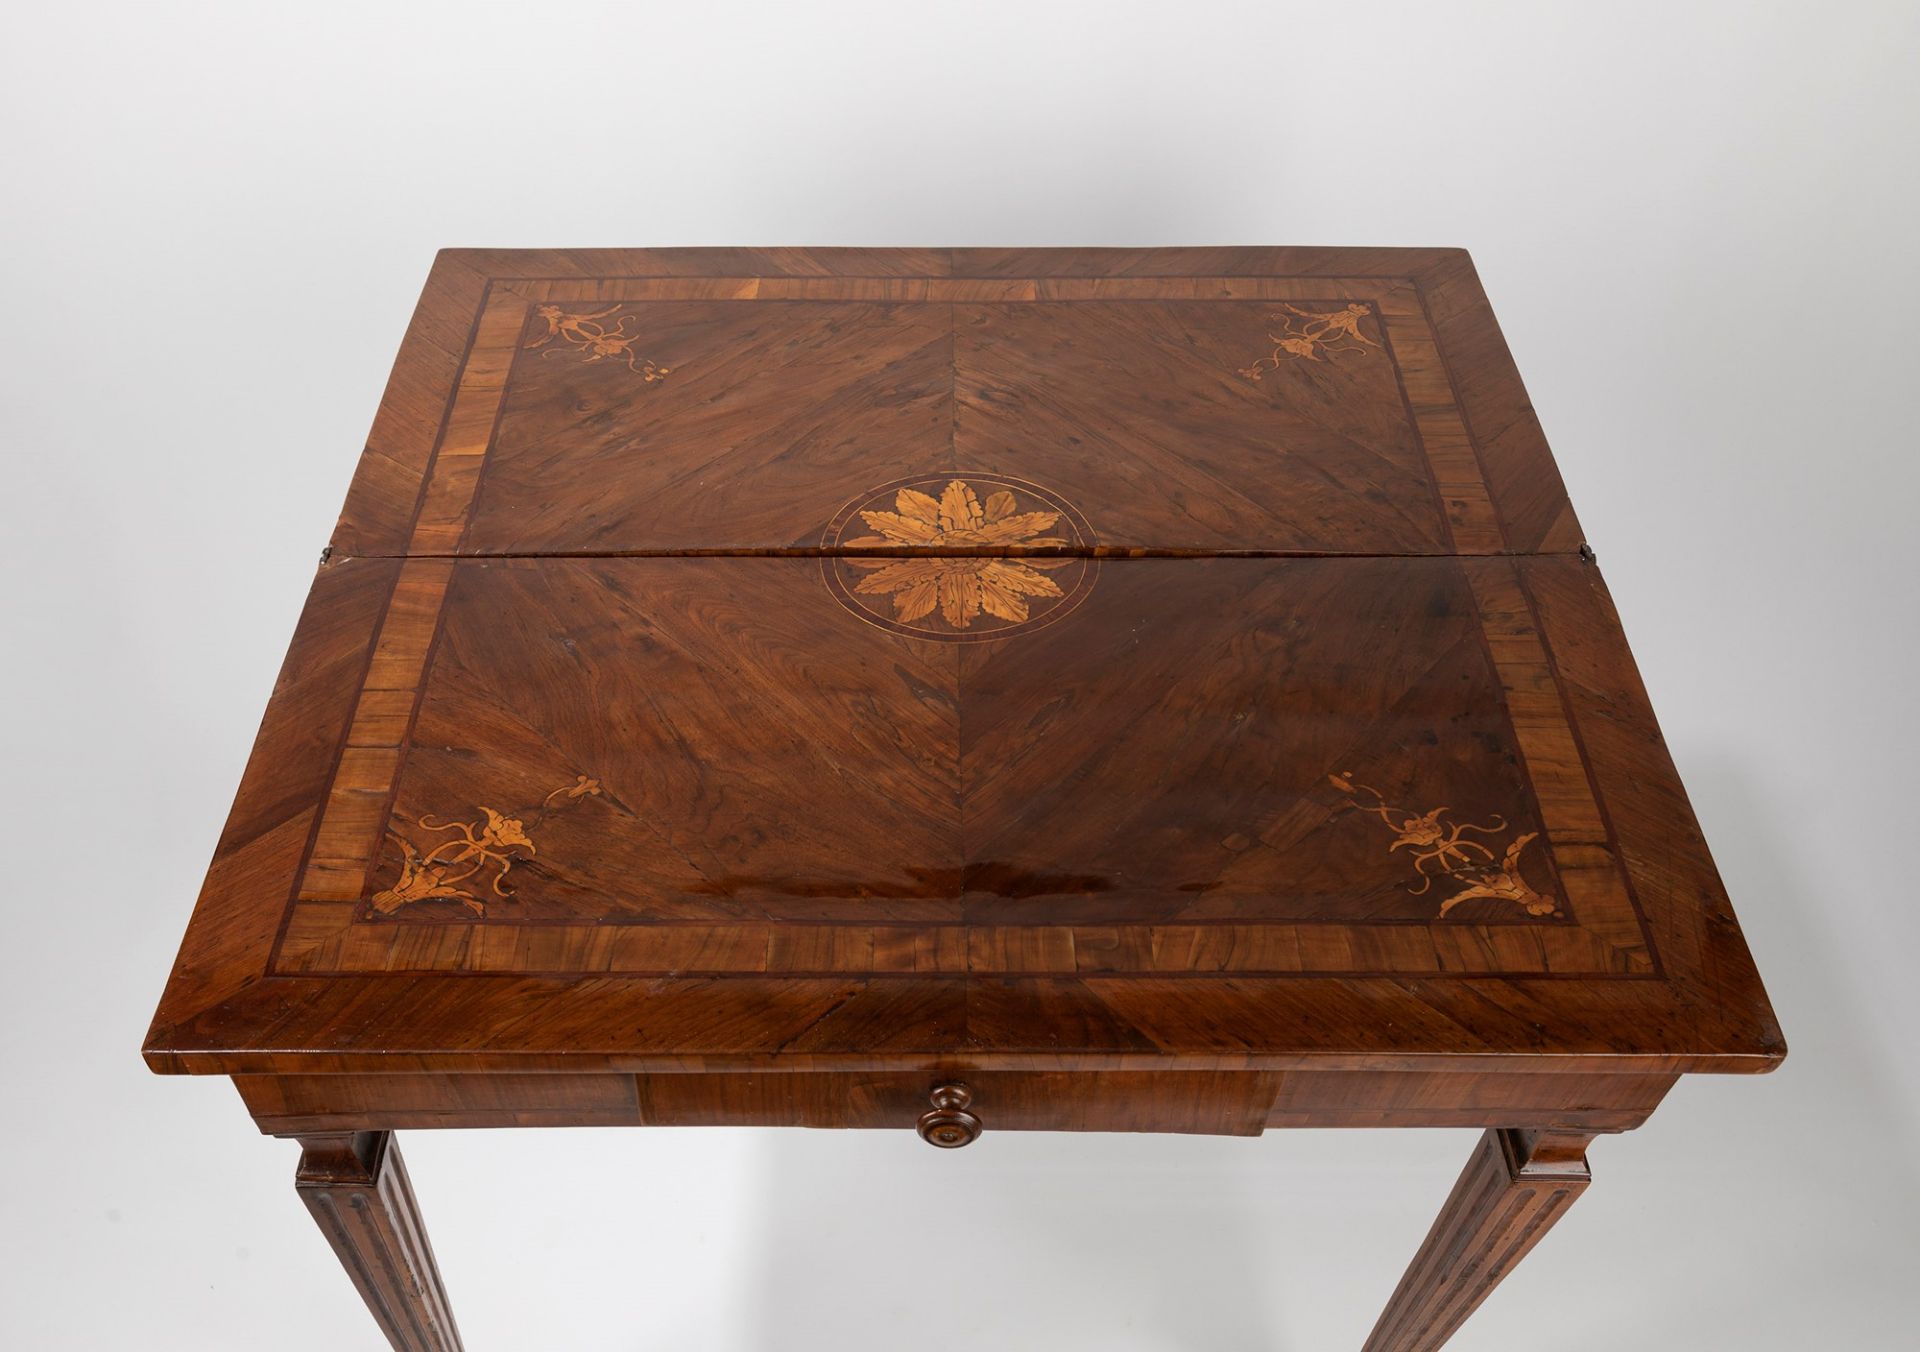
1697	224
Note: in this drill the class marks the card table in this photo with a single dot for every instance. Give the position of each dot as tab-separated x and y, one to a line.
963	691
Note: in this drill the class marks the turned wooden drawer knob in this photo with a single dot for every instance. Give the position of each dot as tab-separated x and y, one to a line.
948	1124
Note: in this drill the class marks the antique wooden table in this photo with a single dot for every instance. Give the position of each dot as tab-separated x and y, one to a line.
1101	690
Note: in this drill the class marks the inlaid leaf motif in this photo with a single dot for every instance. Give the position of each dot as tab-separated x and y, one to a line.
918	506
1005	587
1443	850
587	335
959	509
915	584
1313	335
485	849
962	587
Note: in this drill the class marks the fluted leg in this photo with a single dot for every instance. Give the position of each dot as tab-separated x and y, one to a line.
1517	1184
356	1187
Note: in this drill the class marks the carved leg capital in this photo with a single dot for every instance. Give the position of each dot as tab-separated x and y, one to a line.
357	1189
1515	1187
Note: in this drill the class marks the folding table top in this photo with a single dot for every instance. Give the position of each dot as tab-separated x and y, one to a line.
1000	657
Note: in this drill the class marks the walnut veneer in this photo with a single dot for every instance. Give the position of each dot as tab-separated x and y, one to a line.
965	690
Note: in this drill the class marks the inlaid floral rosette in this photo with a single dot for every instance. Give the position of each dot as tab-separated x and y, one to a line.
959	556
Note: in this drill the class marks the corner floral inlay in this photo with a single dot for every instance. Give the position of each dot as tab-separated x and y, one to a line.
962	586
485	848
586	336
1442	851
1313	336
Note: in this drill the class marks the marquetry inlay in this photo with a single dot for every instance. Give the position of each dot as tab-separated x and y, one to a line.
958	558
1452	853
596	335
1306	335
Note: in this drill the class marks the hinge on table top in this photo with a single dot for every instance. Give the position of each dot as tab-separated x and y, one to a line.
1586	553
326	552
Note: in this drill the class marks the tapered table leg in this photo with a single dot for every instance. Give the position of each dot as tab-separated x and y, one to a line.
1517	1184
356	1187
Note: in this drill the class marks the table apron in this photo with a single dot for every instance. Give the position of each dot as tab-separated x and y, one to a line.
1209	1102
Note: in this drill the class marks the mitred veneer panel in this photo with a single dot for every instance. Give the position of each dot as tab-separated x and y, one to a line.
1304	402
1184	423
1270	758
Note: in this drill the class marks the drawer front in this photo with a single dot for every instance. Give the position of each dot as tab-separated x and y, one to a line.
1231	1103
1214	1103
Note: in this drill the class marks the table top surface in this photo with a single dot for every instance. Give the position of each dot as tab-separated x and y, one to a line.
885	658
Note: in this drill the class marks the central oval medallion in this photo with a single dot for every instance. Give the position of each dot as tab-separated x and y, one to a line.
959	556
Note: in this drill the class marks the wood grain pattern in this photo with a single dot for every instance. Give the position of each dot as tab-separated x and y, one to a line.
1513	1190
1129	388
278	807
995	803
1112	966
303	1105
1089	689
1220	1102
1206	1103
356	1187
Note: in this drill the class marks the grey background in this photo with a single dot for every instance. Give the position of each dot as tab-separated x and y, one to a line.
1697	224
